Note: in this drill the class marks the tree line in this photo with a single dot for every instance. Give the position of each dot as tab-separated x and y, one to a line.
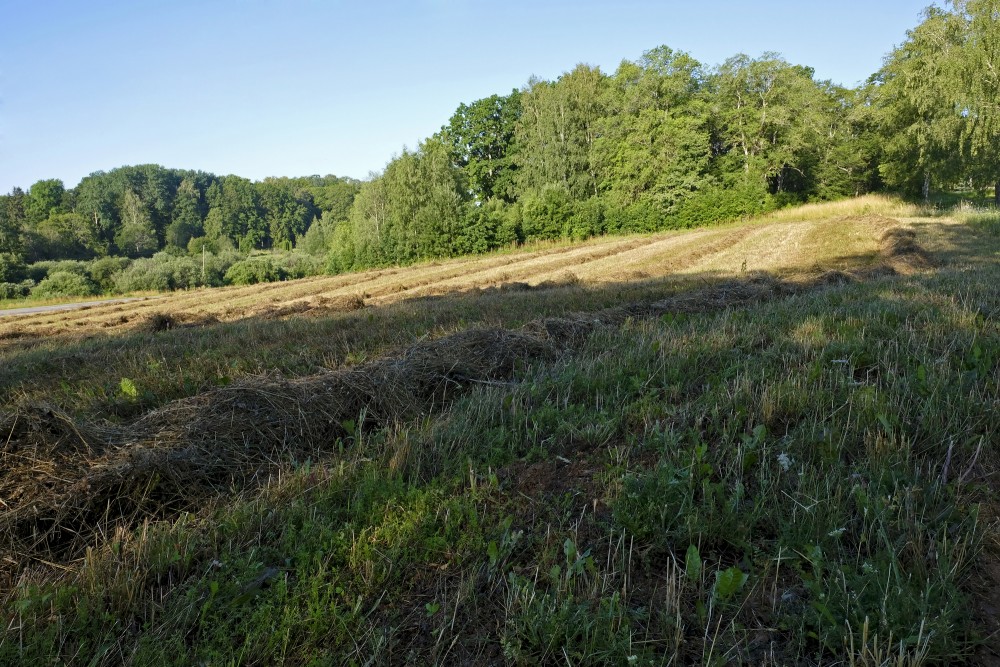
662	142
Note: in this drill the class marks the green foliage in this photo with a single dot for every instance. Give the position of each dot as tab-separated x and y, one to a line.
654	146
254	270
61	284
12	221
317	239
557	130
413	211
12	268
128	388
44	199
743	199
61	236
16	290
293	265
333	196
103	271
487	227
546	215
482	138
188	215
639	217
40	270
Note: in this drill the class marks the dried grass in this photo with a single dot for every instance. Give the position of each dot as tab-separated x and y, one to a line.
899	248
62	482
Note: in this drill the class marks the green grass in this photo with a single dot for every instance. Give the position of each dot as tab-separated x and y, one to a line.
804	481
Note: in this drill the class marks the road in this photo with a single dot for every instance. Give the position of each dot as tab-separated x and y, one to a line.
64	306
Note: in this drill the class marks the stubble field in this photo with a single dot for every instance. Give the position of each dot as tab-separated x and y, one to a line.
769	443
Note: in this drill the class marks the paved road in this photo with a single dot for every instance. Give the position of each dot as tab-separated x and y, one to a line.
64	306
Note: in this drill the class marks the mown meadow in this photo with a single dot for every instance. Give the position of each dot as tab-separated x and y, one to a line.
718	466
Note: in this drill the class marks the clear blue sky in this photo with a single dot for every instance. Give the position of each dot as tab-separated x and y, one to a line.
298	87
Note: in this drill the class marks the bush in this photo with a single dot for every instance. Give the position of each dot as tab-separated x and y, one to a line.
185	272
721	204
103	271
637	218
254	270
16	290
343	254
200	244
12	268
39	271
63	284
587	220
546	215
299	264
144	275
316	240
217	264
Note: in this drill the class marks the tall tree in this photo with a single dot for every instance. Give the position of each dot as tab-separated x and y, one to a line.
44	198
770	117
482	136
557	131
287	210
848	146
12	218
97	200
654	144
978	98
137	236
187	220
919	116
235	204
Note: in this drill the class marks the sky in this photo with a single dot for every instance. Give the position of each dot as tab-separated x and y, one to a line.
298	87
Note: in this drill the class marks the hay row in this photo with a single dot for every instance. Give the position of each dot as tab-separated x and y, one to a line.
64	482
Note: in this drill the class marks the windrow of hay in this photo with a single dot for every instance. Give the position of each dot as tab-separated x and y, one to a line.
62	482
899	247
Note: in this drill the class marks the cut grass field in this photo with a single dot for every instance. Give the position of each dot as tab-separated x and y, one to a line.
766	443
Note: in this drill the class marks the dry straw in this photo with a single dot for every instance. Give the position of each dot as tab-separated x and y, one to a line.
64	482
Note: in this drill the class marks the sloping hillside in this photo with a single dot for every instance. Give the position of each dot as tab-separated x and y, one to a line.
769	443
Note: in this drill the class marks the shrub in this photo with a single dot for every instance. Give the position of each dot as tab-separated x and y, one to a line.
63	284
299	264
316	240
720	204
639	217
144	275
217	264
545	216
587	220
39	271
200	244
185	272
16	290
103	271
12	268
254	270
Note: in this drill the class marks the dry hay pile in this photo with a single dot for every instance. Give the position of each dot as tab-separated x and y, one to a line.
899	249
62	481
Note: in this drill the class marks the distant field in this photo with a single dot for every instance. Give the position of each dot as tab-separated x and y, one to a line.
770	443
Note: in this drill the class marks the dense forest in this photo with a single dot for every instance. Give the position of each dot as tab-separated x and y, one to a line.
663	142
